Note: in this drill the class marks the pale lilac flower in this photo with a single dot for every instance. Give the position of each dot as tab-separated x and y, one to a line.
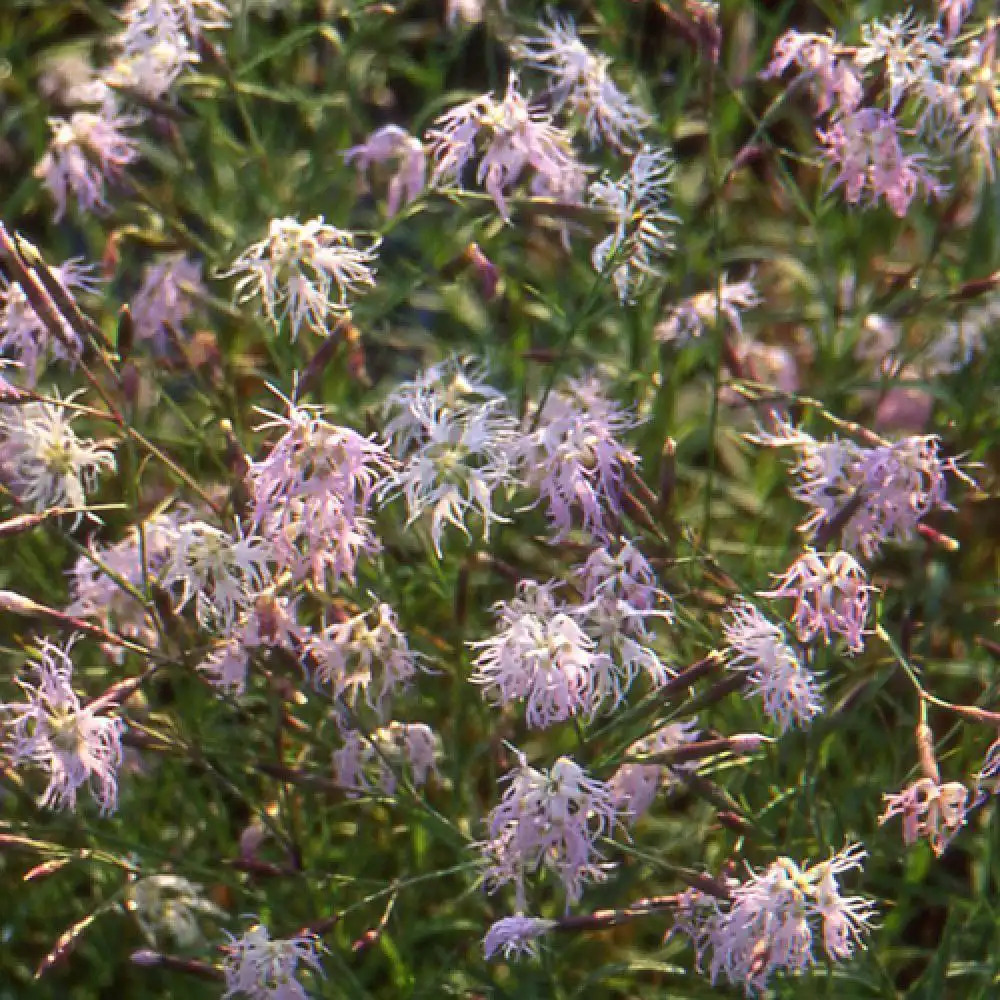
875	494
153	50
515	936
831	594
367	653
73	743
929	810
511	136
548	819
453	436
635	785
196	16
540	655
364	763
166	298
834	79
952	14
581	80
392	144
260	968
908	50
864	152
23	335
769	922
687	319
636	203
758	647
620	601
303	272
571	453
225	667
44	461
85	152
312	493
224	572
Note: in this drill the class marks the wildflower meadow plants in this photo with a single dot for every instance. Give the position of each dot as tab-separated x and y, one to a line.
499	499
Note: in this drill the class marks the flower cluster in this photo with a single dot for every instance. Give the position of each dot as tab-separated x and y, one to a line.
550	820
768	922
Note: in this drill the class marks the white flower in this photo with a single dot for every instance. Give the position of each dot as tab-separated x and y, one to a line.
637	205
688	318
45	462
303	272
581	79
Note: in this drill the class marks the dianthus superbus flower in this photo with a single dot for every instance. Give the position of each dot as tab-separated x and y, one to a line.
511	136
392	144
515	936
75	744
43	459
769	922
758	647
571	453
303	271
261	968
688	318
365	762
929	810
831	593
549	820
165	299
581	79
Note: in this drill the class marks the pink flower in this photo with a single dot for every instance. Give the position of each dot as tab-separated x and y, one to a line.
511	137
864	151
815	55
688	318
165	299
364	762
85	152
73	743
548	819
929	809
756	646
393	144
572	455
831	596
769	921
953	14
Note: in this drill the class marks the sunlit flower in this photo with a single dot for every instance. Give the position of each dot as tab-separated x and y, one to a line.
43	459
392	144
515	936
74	744
687	319
167	908
262	968
930	810
153	50
303	272
364	763
834	79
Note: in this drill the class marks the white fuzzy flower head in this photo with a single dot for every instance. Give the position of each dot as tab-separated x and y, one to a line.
453	435
43	459
74	744
581	79
758	647
167	908
549	820
511	137
303	271
636	204
261	968
224	572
